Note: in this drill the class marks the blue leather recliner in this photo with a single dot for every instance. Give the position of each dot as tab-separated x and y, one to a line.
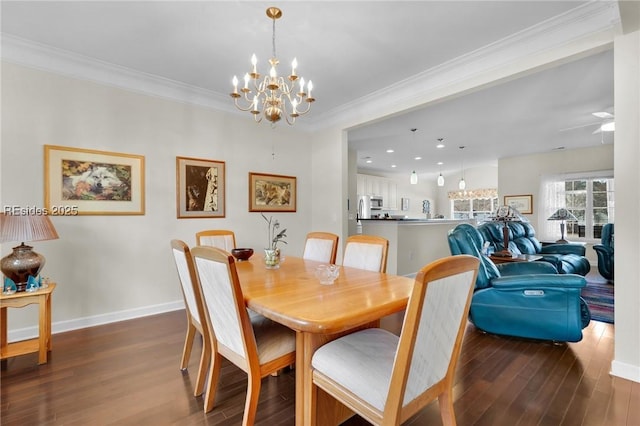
605	252
567	258
523	299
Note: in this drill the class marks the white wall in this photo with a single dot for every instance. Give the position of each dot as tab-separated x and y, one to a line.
627	159
111	267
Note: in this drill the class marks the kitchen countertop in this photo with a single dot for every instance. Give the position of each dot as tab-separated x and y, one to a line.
409	220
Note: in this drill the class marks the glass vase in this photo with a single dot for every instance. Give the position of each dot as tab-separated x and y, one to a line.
272	258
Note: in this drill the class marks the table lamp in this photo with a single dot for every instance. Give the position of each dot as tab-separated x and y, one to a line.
23	261
505	214
562	215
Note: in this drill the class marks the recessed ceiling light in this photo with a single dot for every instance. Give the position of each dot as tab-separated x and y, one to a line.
440	145
418	158
393	165
369	161
439	163
389	151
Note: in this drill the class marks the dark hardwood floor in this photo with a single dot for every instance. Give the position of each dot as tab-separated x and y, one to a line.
127	373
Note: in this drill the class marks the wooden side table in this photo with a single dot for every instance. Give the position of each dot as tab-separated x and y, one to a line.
42	344
516	258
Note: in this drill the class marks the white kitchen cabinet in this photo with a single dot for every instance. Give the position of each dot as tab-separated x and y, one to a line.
379	186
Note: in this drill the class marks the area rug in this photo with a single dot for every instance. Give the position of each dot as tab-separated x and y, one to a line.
599	296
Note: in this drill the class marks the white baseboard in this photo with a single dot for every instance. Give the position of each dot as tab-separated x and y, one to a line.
625	371
78	323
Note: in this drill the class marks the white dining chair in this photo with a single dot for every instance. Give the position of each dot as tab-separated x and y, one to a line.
386	379
254	343
194	308
366	252
321	246
220	238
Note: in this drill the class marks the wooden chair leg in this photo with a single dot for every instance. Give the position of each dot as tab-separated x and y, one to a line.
188	344
445	400
251	403
202	369
214	374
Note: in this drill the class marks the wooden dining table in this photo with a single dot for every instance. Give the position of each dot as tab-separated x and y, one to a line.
318	313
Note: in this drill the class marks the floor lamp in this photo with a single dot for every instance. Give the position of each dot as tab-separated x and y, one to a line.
562	215
505	214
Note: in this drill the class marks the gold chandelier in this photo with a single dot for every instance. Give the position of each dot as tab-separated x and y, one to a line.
273	97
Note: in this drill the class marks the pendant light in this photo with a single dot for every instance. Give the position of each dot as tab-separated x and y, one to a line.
440	177
462	184
414	175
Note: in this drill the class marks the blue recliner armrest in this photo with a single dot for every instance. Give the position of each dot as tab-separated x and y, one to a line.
576	249
523	268
538	281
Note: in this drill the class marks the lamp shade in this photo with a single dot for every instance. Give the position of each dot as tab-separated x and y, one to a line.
562	214
440	180
507	214
21	228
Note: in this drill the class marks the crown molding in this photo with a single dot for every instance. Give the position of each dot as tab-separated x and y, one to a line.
47	58
585	28
569	33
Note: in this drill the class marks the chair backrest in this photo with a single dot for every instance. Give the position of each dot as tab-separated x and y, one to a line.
188	280
366	252
466	239
220	238
607	235
225	311
432	333
321	246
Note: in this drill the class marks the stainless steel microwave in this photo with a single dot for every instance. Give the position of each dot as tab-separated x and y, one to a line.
376	203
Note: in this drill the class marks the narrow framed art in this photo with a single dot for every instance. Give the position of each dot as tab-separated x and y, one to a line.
90	182
200	188
272	193
522	203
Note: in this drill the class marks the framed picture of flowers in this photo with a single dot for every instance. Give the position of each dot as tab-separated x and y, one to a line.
91	182
200	188
272	193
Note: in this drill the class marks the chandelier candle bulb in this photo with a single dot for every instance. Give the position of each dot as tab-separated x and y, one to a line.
235	85
254	62
309	87
294	64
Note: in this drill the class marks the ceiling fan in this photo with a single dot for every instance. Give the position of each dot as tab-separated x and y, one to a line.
606	123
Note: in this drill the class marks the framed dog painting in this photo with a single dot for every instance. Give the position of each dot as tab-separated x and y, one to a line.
90	182
272	193
200	188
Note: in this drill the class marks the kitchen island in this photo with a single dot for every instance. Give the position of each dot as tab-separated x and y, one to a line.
413	243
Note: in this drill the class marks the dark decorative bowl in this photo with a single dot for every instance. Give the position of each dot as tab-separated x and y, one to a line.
242	253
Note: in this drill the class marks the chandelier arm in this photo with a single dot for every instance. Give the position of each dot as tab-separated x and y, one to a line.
248	108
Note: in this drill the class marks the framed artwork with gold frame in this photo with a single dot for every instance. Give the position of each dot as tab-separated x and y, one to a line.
272	193
91	182
200	188
522	203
